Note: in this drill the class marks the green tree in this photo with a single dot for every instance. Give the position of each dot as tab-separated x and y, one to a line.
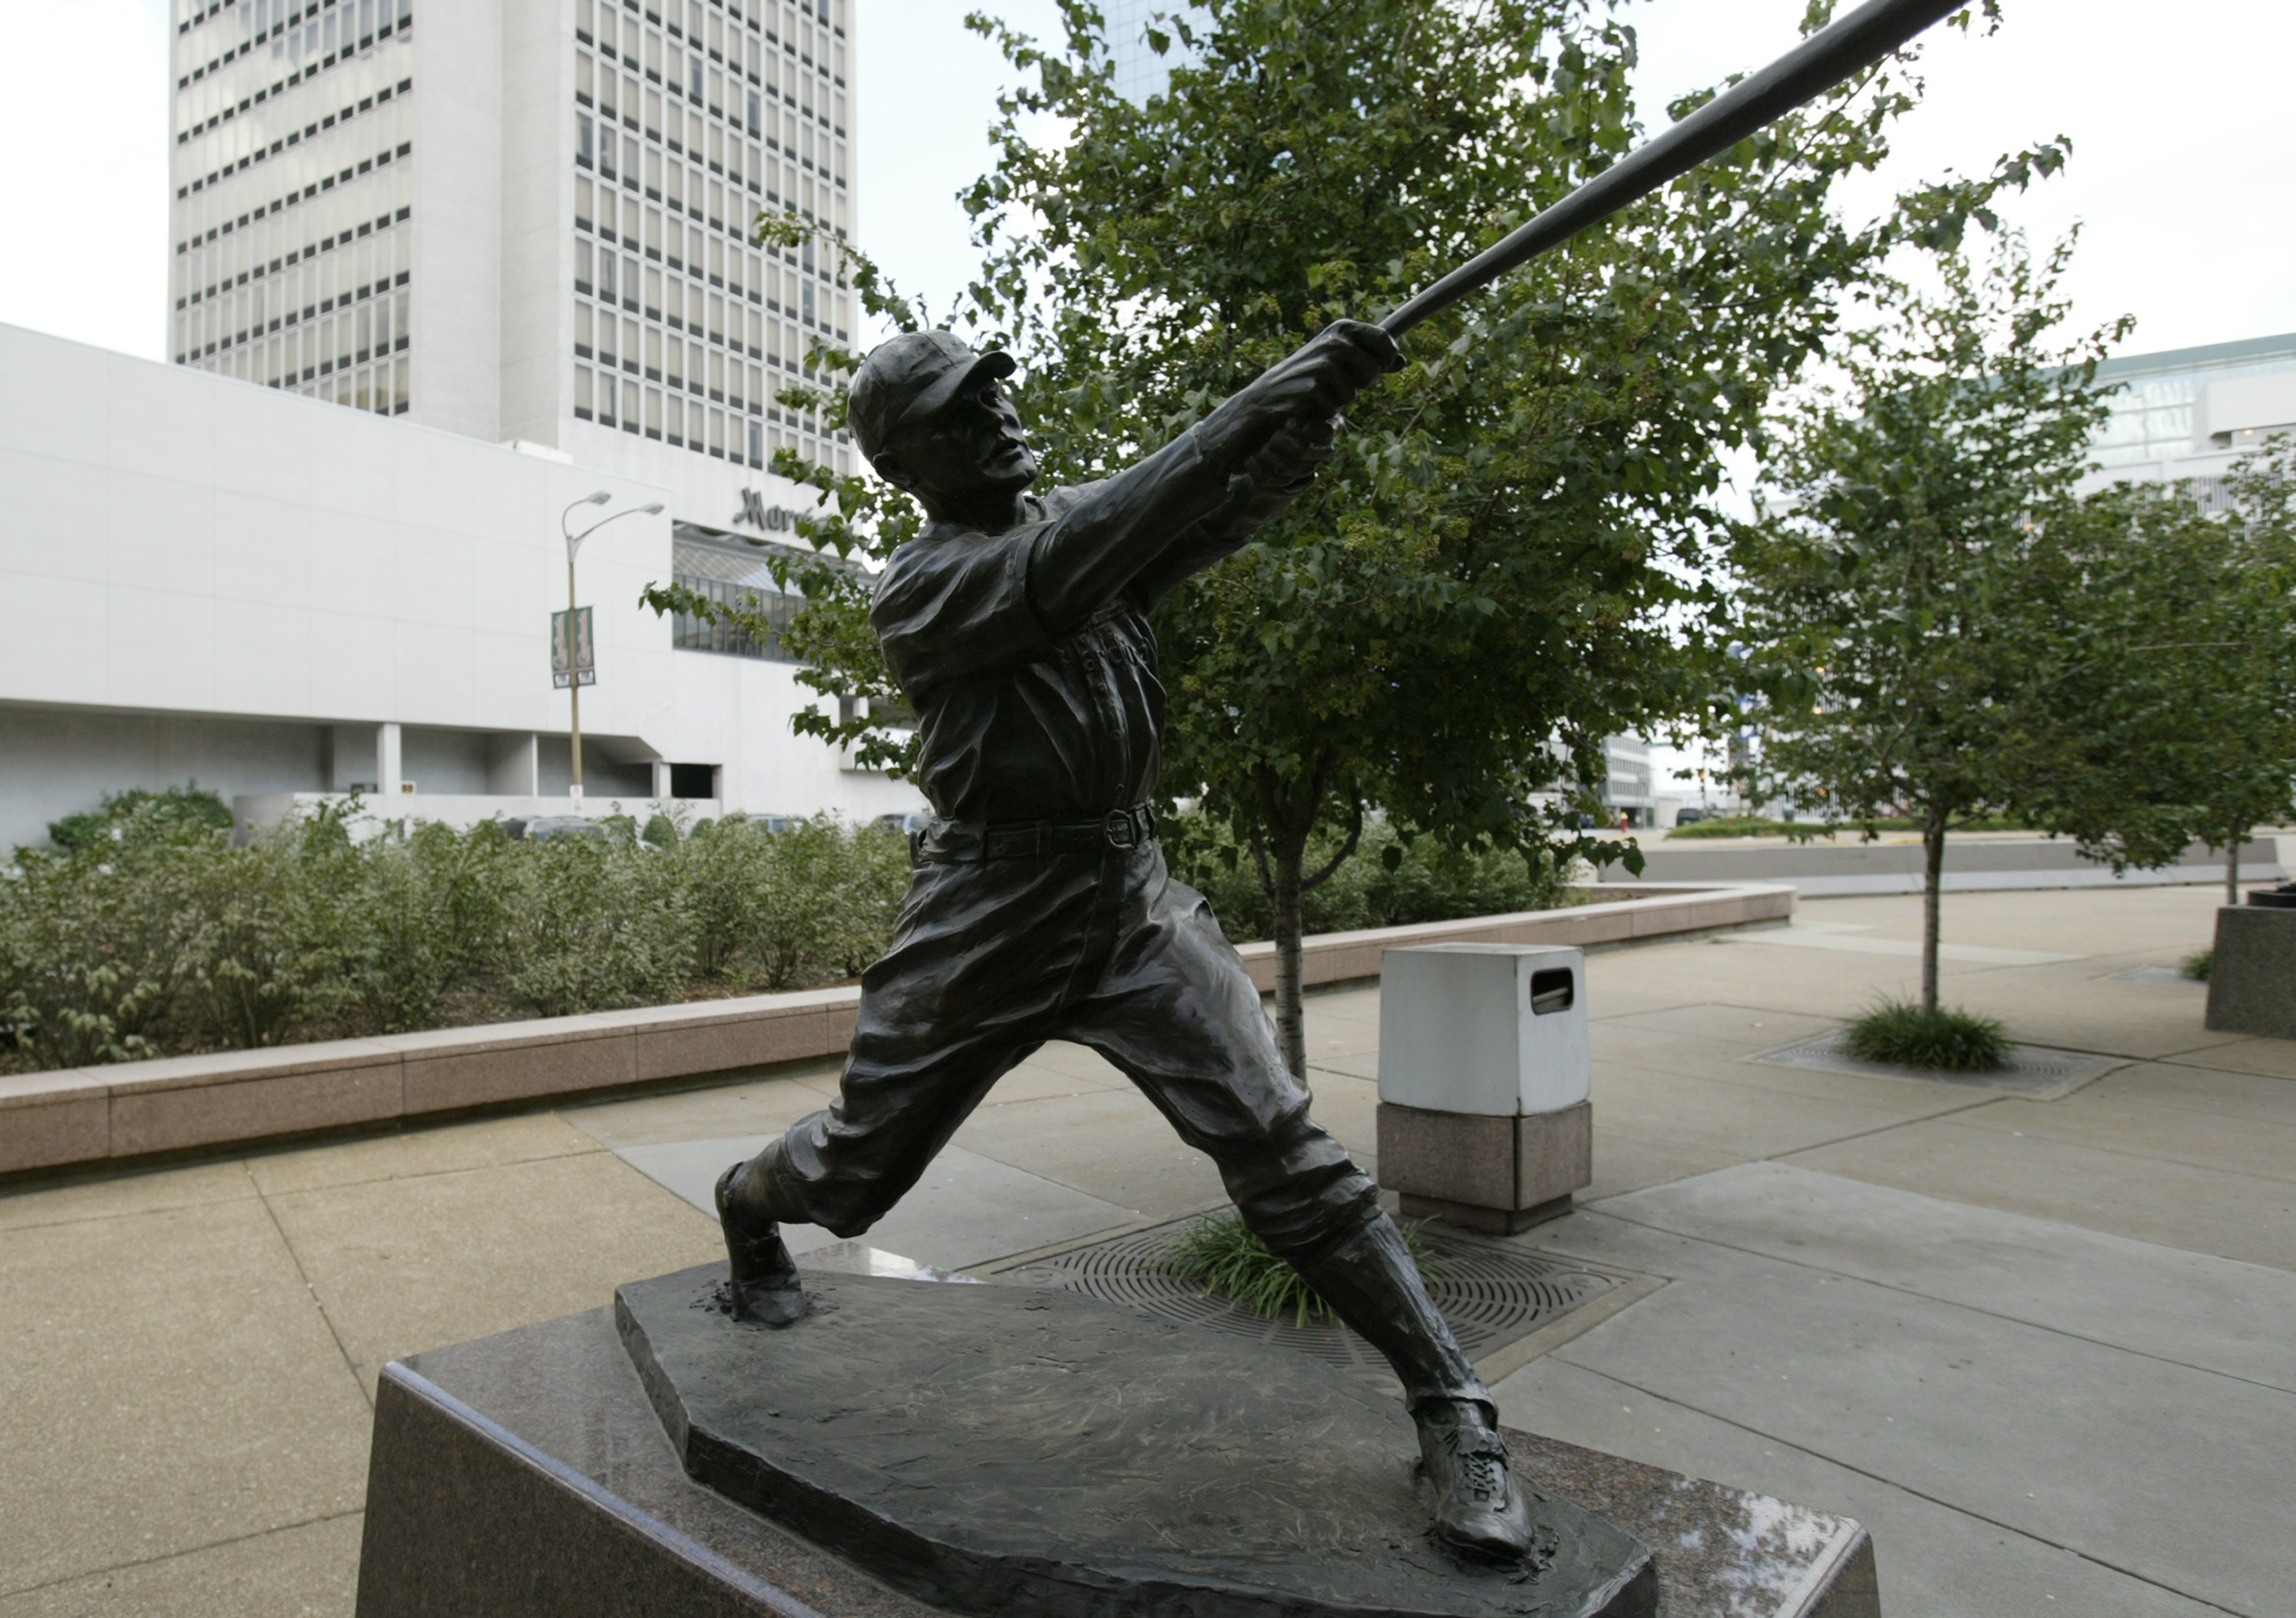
1890	603
1489	578
2168	715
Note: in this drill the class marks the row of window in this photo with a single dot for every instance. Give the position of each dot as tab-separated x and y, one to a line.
618	98
790	77
348	335
309	250
735	266
295	137
272	17
722	433
324	183
691	634
682	363
380	388
247	104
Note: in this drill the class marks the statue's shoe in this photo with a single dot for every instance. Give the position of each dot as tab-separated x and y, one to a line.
1478	1506
764	1285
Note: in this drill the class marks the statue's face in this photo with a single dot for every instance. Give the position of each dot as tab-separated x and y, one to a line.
970	455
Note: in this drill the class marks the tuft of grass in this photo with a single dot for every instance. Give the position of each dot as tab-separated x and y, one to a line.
2196	964
1219	1251
1944	1040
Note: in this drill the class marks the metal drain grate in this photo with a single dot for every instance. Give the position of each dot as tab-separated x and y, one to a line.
1490	1297
2157	974
2033	1070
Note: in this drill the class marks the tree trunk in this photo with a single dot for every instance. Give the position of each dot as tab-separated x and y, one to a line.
2232	867
1932	887
1291	1017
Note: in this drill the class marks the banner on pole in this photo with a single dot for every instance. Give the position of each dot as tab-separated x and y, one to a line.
574	663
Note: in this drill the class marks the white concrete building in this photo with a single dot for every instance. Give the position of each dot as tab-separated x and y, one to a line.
522	219
2192	413
213	580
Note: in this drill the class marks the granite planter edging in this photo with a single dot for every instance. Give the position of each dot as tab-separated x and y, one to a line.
78	1118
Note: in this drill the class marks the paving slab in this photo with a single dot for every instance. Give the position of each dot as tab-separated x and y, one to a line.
110	1196
165	1384
2204	1092
1858	938
1742	1119
2239	1053
1113	1144
405	1265
967	1210
2187	1307
1934	1561
2173	1473
2212	1210
741	1108
307	1570
489	1143
2120	1120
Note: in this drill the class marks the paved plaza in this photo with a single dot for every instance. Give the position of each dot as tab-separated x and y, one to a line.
2043	1344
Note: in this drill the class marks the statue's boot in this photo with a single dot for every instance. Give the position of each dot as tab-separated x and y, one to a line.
1371	1283
765	1285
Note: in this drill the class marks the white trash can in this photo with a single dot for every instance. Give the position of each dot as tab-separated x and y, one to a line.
1484	1115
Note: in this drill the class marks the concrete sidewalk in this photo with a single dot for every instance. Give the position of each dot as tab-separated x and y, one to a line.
2041	1348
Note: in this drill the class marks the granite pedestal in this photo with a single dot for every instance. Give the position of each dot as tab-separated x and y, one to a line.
530	1473
2252	973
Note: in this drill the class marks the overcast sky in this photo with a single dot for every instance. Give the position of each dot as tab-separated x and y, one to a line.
2182	123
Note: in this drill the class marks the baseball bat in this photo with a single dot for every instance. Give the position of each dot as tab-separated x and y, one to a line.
1845	46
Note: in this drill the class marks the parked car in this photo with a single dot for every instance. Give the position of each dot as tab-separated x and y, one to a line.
1690	817
915	820
542	827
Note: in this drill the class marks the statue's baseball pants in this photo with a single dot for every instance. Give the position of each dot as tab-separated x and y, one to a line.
992	957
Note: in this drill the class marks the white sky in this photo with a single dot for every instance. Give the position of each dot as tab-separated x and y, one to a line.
2182	125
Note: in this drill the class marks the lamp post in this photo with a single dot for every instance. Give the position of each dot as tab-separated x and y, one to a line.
574	619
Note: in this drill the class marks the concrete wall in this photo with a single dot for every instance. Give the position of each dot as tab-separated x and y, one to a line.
200	577
1970	864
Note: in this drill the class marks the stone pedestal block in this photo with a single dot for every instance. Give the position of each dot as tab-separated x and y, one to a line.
2252	978
1495	1174
530	1473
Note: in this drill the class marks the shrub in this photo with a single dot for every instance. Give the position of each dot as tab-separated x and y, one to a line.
1220	1252
2196	964
1428	882
92	940
591	924
1945	1040
147	931
188	805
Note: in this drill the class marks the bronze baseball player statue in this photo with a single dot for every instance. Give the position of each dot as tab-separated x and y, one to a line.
1039	909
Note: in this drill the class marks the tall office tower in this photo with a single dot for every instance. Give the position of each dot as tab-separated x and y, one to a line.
523	219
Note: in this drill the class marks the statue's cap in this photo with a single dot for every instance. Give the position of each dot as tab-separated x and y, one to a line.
910	377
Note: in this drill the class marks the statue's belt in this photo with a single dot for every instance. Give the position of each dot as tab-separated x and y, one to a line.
977	842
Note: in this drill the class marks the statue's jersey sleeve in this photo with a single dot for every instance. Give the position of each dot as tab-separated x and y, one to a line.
956	604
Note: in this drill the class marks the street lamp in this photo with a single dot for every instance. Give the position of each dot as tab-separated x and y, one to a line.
573	616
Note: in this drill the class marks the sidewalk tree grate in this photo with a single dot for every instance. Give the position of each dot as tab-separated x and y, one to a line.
1491	1296
2157	974
2033	1070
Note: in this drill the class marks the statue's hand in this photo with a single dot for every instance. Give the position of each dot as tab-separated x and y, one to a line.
1289	458
1312	384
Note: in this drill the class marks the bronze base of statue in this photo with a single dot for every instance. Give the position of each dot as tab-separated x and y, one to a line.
1013	1451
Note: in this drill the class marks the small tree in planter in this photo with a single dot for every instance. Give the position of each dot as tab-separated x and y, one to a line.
1889	595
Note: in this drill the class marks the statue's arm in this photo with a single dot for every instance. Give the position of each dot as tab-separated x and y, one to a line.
1121	529
1278	476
